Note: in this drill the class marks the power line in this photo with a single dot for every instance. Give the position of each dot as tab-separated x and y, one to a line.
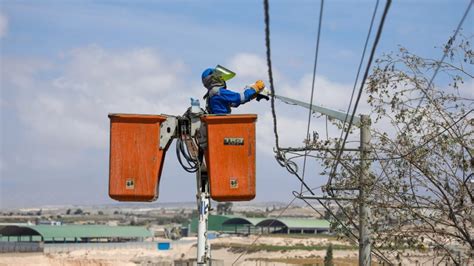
360	65
290	166
255	241
321	9
446	51
270	72
367	69
439	63
294	151
375	250
280	158
357	77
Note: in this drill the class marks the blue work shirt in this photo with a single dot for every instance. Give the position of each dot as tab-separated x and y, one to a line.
224	99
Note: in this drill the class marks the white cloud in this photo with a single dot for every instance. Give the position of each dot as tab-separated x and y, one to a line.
71	109
63	106
248	66
3	25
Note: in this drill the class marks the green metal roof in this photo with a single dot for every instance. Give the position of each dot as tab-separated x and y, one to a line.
228	223
243	220
300	223
76	231
215	223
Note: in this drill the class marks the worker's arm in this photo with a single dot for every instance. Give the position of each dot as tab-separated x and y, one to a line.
235	99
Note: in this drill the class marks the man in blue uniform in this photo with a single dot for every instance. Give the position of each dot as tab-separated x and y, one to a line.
219	99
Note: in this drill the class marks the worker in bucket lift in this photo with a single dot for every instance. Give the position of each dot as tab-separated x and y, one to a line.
219	99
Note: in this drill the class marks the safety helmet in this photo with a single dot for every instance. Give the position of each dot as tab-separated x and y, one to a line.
212	77
207	72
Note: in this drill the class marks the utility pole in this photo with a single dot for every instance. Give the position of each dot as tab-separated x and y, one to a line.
203	200
364	179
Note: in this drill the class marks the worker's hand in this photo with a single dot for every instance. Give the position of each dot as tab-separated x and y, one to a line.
258	86
261	96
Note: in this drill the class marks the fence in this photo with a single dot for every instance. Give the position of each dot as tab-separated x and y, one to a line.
6	247
67	247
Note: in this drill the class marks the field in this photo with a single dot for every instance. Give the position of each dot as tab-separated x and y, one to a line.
147	257
267	250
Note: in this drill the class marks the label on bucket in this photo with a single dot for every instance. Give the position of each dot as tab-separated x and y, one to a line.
129	184
234	141
234	183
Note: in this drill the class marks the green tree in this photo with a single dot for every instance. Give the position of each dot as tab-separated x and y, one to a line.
224	208
328	260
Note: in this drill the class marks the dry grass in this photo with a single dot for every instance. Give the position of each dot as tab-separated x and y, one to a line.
240	248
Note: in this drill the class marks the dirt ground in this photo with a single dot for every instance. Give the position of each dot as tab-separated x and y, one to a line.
186	249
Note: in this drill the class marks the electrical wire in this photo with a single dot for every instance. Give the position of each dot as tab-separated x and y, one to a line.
439	63
367	69
192	164
338	157
270	73
321	10
357	77
258	237
291	166
348	232
297	155
446	51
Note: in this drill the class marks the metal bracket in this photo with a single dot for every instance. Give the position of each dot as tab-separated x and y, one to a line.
338	115
168	131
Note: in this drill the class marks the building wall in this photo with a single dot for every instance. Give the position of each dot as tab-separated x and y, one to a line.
9	247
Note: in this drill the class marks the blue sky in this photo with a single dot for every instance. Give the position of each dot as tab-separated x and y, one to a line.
65	64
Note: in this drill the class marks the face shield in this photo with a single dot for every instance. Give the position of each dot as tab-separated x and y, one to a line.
223	73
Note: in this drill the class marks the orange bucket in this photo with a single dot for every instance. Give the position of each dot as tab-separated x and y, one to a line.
136	160
230	156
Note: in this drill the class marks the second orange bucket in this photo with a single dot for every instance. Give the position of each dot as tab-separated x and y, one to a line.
230	156
136	160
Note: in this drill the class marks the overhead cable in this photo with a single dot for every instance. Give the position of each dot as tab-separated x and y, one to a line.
366	74
321	9
356	81
404	155
446	52
270	72
280	159
439	63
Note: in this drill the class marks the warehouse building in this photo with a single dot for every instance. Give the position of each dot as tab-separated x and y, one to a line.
283	225
72	233
295	226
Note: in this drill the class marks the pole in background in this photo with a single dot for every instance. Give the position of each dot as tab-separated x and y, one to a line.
364	209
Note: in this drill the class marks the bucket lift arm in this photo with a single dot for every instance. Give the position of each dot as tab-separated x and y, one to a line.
186	128
168	131
332	114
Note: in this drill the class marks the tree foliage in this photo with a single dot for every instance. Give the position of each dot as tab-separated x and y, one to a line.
224	208
328	259
421	161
